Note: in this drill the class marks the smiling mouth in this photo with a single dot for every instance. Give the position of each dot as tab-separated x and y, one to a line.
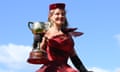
60	19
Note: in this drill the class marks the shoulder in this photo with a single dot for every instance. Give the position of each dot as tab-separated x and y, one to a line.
47	34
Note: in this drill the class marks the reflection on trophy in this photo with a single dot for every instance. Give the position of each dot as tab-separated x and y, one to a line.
38	55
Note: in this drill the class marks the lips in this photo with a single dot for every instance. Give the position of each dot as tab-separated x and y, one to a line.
60	19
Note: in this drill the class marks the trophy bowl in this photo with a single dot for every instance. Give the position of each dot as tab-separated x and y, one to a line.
38	27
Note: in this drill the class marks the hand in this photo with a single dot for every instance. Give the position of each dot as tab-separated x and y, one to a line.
44	42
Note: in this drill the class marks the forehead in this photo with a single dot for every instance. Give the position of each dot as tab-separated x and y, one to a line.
57	10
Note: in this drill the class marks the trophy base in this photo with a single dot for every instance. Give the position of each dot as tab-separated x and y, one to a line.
38	57
37	61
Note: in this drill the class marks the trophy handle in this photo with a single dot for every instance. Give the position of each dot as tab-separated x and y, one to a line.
29	25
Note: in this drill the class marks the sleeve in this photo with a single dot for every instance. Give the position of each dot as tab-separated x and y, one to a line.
78	63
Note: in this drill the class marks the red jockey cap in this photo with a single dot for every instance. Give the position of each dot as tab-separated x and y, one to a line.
57	5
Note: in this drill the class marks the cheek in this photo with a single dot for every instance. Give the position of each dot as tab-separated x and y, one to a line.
54	18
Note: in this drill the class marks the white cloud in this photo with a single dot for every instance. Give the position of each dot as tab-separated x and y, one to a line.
118	38
117	70
96	69
13	59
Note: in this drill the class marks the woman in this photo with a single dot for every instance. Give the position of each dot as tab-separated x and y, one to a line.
59	44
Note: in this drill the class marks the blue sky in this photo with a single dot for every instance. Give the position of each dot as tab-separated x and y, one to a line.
98	48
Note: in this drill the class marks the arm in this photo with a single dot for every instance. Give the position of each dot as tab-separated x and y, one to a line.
78	63
76	60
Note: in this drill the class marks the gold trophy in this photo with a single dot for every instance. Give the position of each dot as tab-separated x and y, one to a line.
38	55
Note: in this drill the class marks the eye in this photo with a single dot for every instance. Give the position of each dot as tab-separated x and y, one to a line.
57	14
62	14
